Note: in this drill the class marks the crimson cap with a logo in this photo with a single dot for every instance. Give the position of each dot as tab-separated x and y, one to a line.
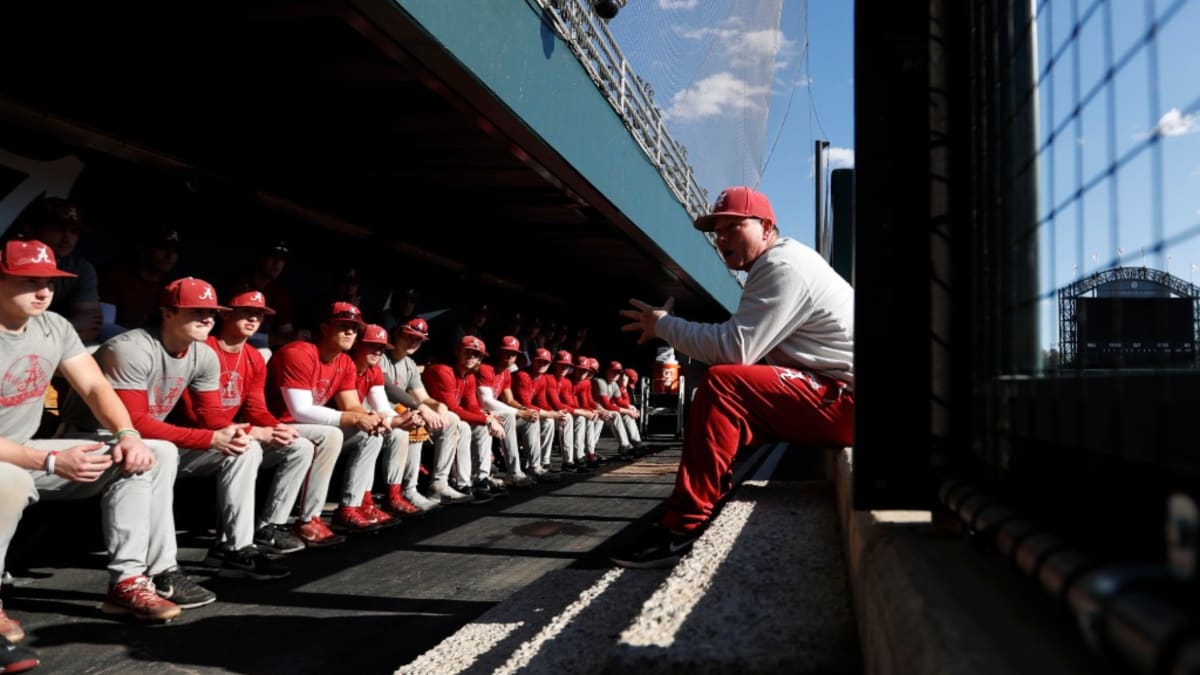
251	300
474	343
593	364
509	343
543	355
375	334
563	358
190	293
30	258
417	328
632	374
344	311
614	365
737	201
584	362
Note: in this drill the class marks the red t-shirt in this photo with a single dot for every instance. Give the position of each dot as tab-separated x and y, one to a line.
243	386
583	392
526	390
566	393
444	384
371	377
298	365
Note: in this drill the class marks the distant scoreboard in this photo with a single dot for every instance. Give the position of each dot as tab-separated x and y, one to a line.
1135	332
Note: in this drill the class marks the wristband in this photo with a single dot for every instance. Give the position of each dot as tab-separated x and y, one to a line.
127	432
49	465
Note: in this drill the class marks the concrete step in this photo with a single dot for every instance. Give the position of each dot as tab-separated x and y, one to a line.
764	590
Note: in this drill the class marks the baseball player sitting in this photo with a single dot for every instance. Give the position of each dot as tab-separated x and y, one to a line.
394	428
495	384
302	379
607	392
582	379
288	446
529	393
133	477
403	385
150	368
456	386
572	430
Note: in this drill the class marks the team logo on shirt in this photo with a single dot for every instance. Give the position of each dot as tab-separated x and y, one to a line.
321	391
231	389
27	378
163	396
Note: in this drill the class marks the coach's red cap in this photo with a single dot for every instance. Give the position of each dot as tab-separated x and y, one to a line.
563	358
633	376
375	334
251	300
582	361
509	343
30	258
737	201
593	364
344	311
417	328
472	342
190	293
543	355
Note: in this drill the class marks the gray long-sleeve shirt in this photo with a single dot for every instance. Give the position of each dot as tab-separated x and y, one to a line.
795	311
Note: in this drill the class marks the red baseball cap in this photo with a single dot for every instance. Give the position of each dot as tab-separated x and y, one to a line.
251	300
190	293
582	361
614	365
344	311
374	334
593	364
418	328
543	355
472	342
737	201
563	358
30	258
633	376
509	343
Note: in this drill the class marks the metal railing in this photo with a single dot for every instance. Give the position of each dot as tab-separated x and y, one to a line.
589	38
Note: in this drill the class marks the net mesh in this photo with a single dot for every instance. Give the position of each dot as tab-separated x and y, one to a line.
713	67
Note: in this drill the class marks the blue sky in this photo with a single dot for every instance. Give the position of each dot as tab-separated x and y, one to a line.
1143	124
701	57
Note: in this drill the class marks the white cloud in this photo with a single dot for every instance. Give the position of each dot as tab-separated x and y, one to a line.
841	158
1173	123
741	47
678	4
716	95
835	158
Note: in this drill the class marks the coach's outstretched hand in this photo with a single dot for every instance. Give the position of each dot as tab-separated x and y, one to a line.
645	318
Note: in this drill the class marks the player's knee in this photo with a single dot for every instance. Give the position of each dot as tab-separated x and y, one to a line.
16	489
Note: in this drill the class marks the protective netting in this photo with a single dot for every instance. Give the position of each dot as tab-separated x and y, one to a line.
713	67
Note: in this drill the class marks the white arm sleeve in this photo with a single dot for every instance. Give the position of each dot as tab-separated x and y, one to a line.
489	401
377	400
300	404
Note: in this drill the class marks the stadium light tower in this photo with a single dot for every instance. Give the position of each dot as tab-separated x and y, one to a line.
607	9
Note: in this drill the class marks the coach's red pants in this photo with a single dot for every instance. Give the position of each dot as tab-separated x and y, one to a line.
745	406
